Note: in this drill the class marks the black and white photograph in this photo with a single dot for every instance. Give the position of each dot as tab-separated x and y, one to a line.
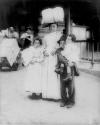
49	62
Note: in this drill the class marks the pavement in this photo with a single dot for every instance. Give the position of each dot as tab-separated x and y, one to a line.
17	108
88	68
83	66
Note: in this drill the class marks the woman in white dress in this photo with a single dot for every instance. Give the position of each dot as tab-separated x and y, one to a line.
33	76
51	81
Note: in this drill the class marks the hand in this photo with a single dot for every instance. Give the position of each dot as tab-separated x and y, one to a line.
46	54
53	52
33	61
28	38
70	64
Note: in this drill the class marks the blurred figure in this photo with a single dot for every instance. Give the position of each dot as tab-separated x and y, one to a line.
9	33
27	38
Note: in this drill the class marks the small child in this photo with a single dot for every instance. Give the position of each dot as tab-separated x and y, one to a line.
68	55
33	78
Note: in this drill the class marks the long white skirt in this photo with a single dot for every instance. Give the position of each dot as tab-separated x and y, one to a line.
33	80
50	80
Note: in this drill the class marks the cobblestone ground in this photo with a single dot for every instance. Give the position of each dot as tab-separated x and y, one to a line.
17	108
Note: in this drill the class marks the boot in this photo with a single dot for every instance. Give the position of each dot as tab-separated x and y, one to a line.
69	77
62	104
76	71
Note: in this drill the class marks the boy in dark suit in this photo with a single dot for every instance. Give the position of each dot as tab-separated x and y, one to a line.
67	81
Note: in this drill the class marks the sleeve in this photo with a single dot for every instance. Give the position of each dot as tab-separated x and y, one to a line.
16	35
66	51
41	58
58	36
31	38
77	50
27	56
44	42
23	36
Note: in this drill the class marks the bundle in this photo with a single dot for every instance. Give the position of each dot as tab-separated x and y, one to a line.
52	15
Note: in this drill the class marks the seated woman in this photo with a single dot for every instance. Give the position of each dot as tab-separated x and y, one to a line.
27	38
9	33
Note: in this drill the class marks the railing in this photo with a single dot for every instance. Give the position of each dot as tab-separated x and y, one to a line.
89	52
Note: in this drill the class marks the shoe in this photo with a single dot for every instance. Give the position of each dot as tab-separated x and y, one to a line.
69	106
23	65
62	104
34	96
67	78
77	73
39	96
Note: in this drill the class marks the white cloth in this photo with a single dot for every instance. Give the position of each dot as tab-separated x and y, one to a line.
71	52
27	55
26	35
51	81
33	78
9	48
8	34
4	32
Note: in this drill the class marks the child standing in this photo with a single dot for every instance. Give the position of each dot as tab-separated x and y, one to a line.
34	69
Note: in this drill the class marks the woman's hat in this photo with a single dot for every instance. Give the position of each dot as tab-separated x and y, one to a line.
48	24
62	38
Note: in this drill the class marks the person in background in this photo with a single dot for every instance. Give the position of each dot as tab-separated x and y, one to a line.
27	38
9	33
33	58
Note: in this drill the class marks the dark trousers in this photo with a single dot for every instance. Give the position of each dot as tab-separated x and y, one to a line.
69	97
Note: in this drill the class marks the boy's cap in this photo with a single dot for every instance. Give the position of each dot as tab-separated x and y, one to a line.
62	38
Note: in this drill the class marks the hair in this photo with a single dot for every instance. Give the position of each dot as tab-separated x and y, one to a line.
53	23
29	28
62	38
73	37
11	29
37	38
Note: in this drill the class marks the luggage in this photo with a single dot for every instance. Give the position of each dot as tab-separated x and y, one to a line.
52	15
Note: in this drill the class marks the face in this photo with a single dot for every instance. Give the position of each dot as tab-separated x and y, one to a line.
28	31
69	39
62	44
36	43
11	29
53	27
